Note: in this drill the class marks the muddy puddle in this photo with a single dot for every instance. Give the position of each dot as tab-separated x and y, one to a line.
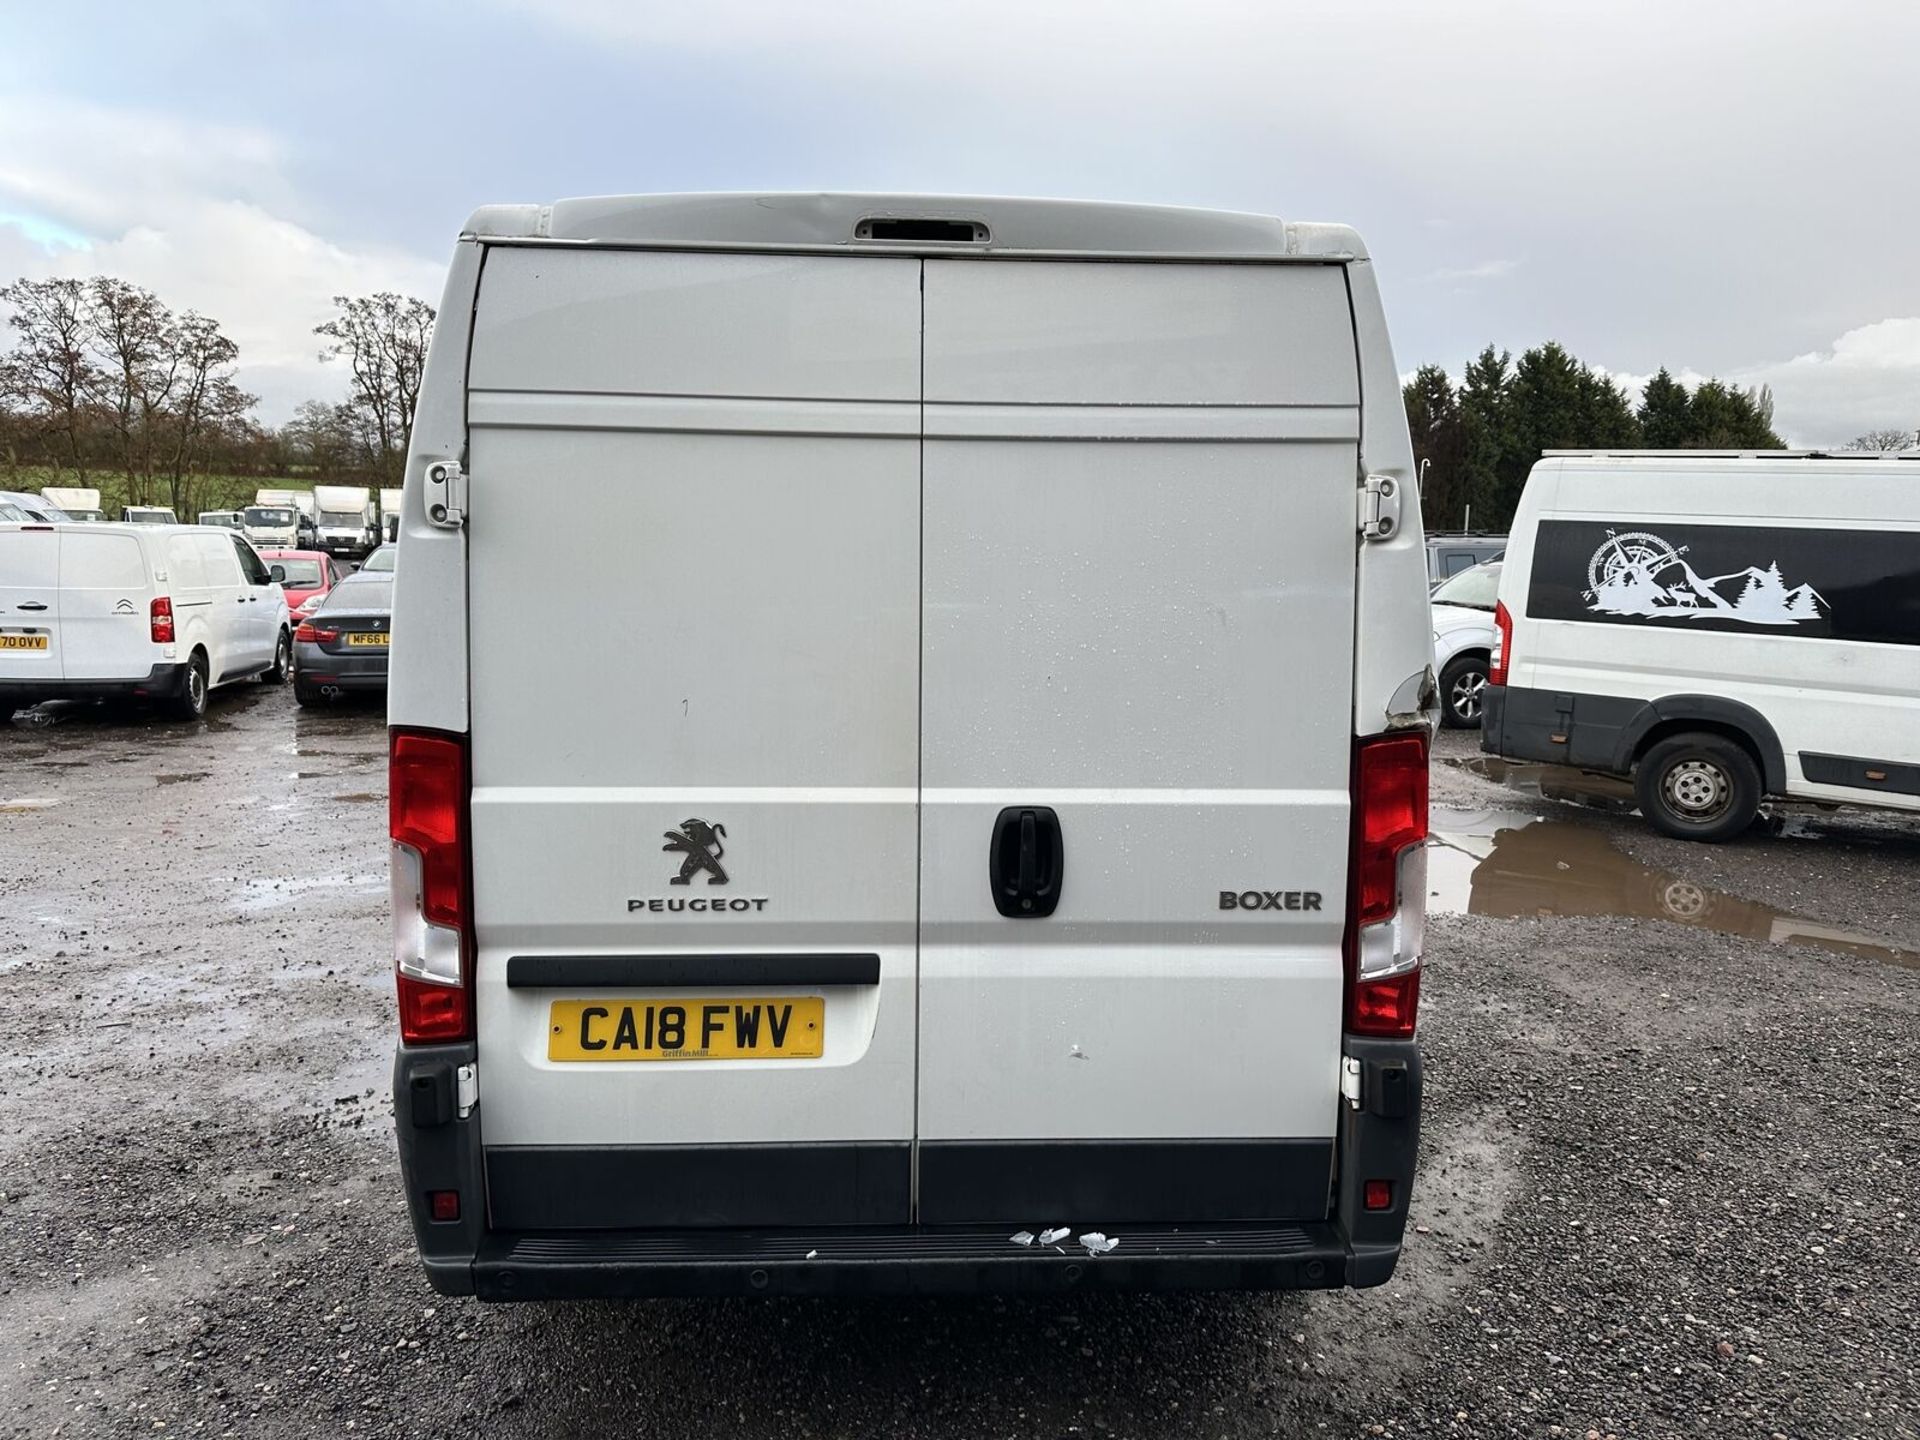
1510	864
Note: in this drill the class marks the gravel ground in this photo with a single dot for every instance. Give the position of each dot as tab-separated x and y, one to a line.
1668	1183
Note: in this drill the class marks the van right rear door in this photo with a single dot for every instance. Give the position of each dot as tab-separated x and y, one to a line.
106	592
1137	677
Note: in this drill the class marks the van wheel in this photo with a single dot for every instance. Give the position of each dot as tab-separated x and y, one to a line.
282	660
191	702
1463	692
1698	787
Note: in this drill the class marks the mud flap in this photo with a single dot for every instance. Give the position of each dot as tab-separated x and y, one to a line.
1380	1141
440	1151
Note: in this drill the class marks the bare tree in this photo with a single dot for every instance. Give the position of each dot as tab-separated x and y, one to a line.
136	336
1884	440
206	401
50	366
384	339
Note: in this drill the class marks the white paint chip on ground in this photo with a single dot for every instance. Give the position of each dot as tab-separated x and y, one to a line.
1021	1237
1049	1237
813	1254
1096	1243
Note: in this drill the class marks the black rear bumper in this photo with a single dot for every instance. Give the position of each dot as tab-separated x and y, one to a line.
160	683
902	1260
1192	1235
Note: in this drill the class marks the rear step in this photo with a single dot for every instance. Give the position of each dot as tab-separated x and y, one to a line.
902	1260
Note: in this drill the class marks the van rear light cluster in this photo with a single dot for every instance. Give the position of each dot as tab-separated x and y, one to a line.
1502	655
427	802
1387	911
160	620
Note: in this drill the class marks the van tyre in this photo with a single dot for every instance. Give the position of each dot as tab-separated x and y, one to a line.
1463	692
191	702
282	660
1698	787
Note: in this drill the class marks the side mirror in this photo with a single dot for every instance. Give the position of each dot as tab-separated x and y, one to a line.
277	574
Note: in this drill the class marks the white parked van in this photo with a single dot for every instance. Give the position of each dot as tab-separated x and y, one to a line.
166	612
1723	627
979	845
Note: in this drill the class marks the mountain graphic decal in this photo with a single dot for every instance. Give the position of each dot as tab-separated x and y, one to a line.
1638	573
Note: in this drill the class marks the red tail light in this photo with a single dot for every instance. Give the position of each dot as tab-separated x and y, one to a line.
314	635
1386	918
160	620
1502	645
427	790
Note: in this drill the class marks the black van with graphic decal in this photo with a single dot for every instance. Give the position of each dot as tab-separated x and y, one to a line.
1722	627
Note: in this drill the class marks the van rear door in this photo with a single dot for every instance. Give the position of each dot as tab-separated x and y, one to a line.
106	625
30	646
1137	673
693	550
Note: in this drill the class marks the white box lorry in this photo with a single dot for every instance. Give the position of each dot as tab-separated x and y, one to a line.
967	781
78	502
390	515
272	522
347	520
1720	626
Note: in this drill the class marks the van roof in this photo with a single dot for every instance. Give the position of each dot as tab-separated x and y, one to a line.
914	224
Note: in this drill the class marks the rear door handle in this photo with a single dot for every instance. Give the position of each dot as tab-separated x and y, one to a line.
1026	861
30	605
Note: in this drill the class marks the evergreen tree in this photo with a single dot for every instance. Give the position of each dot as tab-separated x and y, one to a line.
1487	434
1666	421
1439	444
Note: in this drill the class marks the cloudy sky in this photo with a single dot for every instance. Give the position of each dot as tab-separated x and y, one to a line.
1722	188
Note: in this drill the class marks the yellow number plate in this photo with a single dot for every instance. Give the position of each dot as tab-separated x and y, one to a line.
23	642
368	637
790	1028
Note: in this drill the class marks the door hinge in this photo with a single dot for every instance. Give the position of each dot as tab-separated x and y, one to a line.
1379	507
466	1090
1350	1081
447	494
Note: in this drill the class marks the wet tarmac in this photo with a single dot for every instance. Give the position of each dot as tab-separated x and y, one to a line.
1513	864
1666	1186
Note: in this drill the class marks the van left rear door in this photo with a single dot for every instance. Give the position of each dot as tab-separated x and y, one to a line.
30	648
693	558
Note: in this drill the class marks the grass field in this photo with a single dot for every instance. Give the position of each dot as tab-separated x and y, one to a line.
203	492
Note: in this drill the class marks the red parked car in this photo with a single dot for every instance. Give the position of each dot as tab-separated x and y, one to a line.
310	575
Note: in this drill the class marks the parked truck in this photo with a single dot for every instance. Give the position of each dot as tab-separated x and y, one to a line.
390	515
272	522
349	520
78	503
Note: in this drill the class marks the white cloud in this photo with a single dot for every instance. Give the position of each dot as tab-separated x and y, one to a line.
1485	270
201	215
1868	379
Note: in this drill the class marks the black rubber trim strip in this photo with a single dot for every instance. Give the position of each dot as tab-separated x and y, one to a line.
1854	771
624	1187
1118	1181
595	972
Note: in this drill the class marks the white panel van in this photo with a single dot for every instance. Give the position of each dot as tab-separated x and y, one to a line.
958	826
161	612
1723	627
